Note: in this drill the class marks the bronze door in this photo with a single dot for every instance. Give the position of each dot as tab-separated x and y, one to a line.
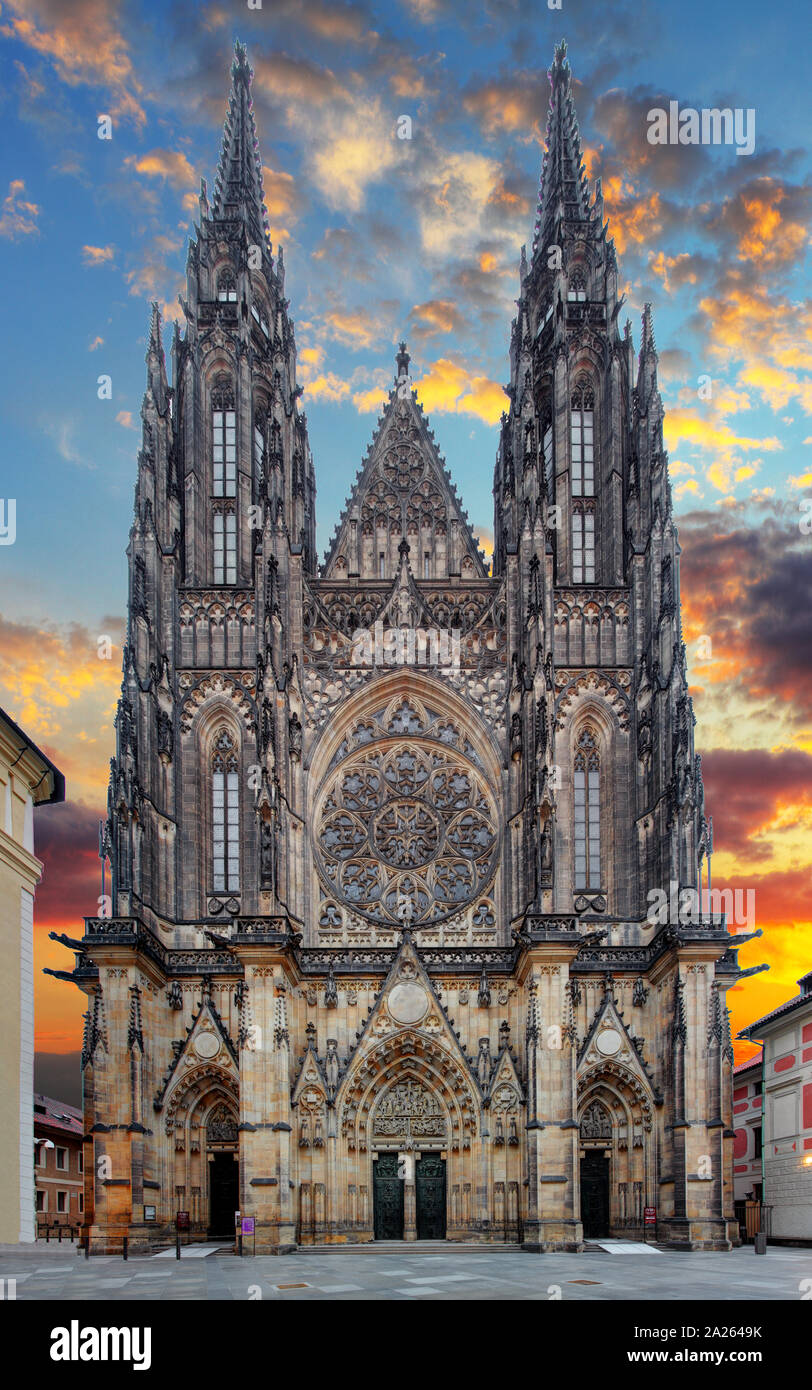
595	1194
430	1196
387	1196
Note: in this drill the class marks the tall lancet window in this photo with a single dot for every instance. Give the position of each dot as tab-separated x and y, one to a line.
224	443
582	439
583	543
587	774
260	429
225	547
547	456
225	819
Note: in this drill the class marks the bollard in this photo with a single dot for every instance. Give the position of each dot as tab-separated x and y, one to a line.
87	1246
177	1246
47	1235
59	1235
760	1243
239	1245
125	1247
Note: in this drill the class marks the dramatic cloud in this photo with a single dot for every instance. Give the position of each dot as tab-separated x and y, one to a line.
448	387
81	39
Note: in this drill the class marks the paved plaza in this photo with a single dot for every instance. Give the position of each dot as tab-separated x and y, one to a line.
614	1270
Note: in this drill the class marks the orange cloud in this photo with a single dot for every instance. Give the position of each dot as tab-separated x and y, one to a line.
449	388
97	255
436	316
55	684
171	165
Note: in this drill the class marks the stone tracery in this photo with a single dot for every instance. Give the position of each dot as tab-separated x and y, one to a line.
406	827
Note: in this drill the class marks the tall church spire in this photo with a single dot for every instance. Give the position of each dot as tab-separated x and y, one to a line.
238	188
563	192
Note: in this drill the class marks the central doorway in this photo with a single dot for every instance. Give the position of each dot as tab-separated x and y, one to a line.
224	1189
595	1194
388	1192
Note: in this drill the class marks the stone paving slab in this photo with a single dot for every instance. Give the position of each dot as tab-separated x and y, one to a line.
405	1273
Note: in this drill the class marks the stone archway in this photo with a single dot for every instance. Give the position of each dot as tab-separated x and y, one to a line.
617	1151
408	1102
201	1122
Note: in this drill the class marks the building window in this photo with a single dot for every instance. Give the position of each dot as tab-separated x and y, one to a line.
224	452
381	565
81	1203
587	811
547	454
582	440
62	1202
80	1160
757	1141
225	548
576	293
42	1199
225	782
62	1160
583	546
259	448
426	565
226	287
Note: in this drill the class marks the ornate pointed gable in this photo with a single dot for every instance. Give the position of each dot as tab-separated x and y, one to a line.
403	492
610	1045
408	1082
207	1043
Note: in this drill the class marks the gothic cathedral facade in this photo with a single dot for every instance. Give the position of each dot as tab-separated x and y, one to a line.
380	961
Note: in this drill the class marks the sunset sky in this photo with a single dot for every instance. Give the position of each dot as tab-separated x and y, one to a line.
387	238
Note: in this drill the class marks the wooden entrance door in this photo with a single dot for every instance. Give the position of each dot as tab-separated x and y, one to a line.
595	1194
430	1197
387	1197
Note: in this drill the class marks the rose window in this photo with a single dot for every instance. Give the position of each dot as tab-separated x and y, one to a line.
406	830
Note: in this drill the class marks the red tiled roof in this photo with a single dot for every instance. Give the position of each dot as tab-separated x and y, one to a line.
57	1115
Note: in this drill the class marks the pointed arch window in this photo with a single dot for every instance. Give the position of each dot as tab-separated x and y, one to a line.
224	443
582	440
576	294
587	810
583	544
226	287
225	791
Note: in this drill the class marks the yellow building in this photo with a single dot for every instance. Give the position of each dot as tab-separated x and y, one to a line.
27	778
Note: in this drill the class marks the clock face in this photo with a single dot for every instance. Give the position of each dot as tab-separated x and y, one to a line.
608	1042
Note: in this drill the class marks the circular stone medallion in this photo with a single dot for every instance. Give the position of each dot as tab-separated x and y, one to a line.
608	1042
408	1003
207	1045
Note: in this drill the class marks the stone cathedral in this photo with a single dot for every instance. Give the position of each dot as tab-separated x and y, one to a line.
379	962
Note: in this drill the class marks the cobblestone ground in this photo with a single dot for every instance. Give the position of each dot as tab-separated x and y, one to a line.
617	1270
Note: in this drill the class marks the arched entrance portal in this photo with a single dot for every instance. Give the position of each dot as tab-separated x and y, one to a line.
596	1141
222	1155
409	1138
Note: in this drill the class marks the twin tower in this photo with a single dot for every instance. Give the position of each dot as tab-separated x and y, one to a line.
379	964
